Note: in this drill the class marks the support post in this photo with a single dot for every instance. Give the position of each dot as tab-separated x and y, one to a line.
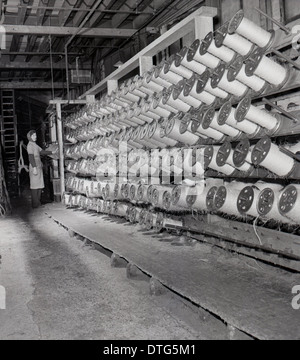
61	149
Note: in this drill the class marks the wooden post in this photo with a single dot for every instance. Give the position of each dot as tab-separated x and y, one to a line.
61	149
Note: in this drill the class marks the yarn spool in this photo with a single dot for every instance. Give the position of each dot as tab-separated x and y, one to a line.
211	154
268	204
158	102
210	119
157	78
225	155
196	128
154	133
198	202
207	59
157	109
242	156
234	41
172	131
147	83
222	52
182	59
210	198
191	88
248	199
264	67
248	29
178	105
289	204
120	209
225	199
150	220
262	118
180	193
157	196
219	79
227	116
167	203
237	71
269	156
178	93
141	193
167	74
176	67
188	138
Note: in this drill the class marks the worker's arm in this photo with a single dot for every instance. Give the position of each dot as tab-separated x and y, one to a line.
32	163
46	152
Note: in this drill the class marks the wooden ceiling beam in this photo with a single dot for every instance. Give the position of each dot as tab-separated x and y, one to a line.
68	31
31	85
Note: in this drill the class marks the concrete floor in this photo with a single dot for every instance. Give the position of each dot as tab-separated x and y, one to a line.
59	288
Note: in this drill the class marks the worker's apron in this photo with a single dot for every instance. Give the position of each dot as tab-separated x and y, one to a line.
36	181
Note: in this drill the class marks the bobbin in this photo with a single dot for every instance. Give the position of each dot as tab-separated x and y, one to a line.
177	104
204	84
267	205
242	156
234	41
223	52
245	201
245	110
195	87
181	59
169	75
180	93
239	24
210	120
237	71
259	64
175	66
207	59
289	203
225	204
157	78
210	198
268	155
224	155
219	79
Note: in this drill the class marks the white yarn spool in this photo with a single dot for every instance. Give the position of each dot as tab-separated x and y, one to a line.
262	118
193	65
178	104
180	193
238	43
289	203
245	126
225	129
180	70
173	131
226	169
249	30
235	87
222	52
204	96
254	82
159	103
269	156
190	100
154	133
270	71
210	132
170	76
161	111
268	203
207	59
230	204
216	91
249	196
161	81
199	200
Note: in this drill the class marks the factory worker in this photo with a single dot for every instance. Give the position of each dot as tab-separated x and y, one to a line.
35	168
